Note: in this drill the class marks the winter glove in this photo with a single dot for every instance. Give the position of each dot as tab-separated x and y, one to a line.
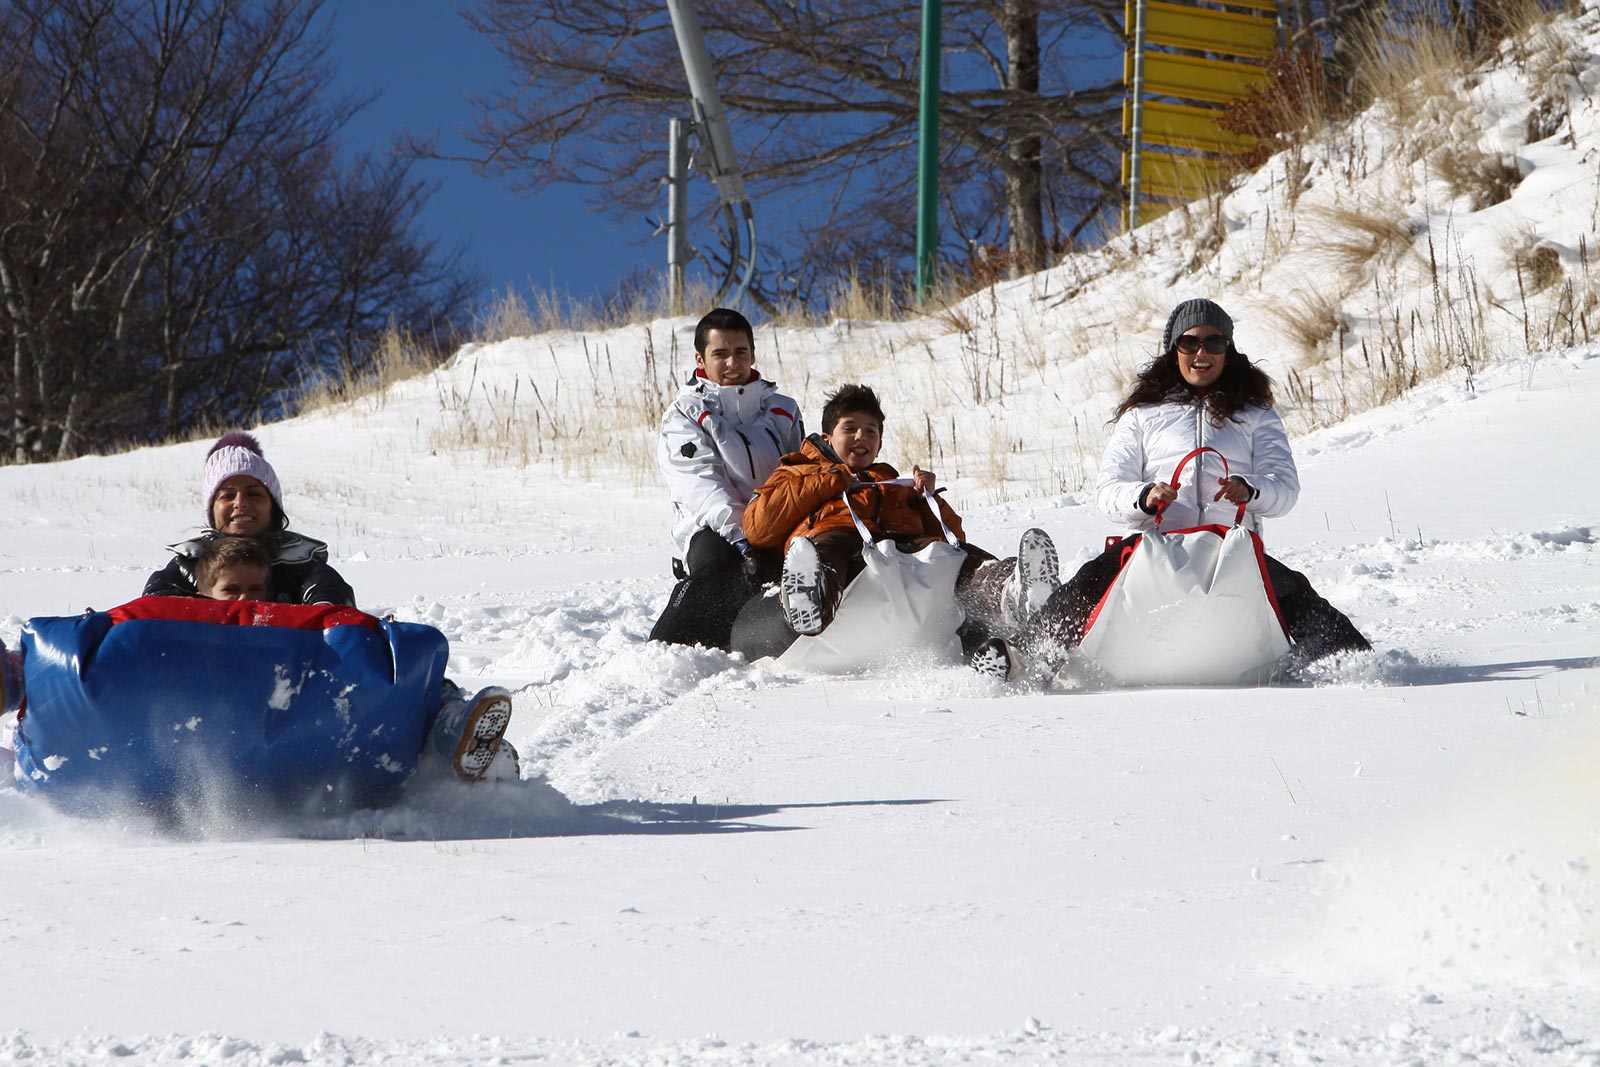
748	564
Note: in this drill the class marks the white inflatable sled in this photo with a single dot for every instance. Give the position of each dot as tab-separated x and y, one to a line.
1189	607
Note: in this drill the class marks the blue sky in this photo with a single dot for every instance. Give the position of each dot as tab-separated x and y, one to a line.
425	63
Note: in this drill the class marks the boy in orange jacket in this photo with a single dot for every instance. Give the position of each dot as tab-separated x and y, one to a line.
800	508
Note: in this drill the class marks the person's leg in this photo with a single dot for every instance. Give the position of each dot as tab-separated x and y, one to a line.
11	683
1004	593
1060	624
816	569
1318	628
469	730
702	606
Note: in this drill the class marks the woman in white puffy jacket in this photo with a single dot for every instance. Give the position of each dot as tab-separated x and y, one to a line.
722	436
1200	392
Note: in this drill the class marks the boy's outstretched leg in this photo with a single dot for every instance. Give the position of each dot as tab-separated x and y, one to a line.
469	730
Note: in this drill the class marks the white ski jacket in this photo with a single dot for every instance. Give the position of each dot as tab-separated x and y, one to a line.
1148	442
718	444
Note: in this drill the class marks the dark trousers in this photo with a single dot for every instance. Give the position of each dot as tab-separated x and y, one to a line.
703	605
1317	628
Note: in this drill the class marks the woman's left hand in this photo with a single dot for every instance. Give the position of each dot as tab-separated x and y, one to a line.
1234	489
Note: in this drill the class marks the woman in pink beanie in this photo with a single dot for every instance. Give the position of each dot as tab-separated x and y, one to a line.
243	499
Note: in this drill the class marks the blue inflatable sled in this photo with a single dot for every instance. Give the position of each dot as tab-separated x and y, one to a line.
168	701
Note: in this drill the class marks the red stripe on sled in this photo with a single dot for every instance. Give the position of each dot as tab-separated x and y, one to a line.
242	613
1266	583
1127	554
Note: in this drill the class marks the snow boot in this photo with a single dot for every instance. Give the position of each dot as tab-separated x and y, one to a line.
11	690
995	658
803	591
1034	580
469	730
506	765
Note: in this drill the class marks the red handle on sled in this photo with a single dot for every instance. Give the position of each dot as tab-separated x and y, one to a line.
1177	474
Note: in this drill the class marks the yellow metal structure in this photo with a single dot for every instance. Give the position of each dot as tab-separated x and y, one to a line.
1178	177
1205	29
1246	30
1193	78
1182	126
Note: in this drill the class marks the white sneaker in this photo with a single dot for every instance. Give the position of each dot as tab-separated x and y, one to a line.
1036	578
803	589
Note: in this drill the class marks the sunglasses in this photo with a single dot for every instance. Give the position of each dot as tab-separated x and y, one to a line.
1216	344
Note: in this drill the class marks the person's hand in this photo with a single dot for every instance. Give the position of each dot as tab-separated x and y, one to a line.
923	481
748	564
1235	489
1159	495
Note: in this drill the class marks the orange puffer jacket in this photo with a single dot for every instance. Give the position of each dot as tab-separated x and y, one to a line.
802	497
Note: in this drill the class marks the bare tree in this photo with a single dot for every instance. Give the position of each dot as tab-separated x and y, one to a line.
824	98
179	240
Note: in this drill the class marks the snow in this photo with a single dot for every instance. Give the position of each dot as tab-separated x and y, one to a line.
717	862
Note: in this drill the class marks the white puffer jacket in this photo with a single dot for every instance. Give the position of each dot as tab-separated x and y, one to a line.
1148	442
718	444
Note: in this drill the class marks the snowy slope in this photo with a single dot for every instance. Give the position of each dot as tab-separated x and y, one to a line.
724	863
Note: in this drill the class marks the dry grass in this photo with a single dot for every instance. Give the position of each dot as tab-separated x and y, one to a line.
1357	235
1552	59
1538	265
399	356
1483	179
1311	319
639	298
1410	64
597	423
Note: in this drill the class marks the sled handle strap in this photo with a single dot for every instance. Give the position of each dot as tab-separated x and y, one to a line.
933	506
1177	474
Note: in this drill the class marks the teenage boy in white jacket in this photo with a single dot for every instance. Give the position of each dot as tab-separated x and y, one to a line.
720	439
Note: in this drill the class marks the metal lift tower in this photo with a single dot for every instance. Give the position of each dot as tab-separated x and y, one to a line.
716	157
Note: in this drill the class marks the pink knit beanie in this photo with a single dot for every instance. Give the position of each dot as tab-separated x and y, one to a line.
236	452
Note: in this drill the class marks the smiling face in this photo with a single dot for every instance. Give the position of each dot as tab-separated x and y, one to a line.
727	358
856	439
1202	367
242	507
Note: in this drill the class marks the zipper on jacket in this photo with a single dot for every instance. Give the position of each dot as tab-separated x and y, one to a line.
1199	461
749	456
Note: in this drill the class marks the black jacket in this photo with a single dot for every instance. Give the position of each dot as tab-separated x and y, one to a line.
299	574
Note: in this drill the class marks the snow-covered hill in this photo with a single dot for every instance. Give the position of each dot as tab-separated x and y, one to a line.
724	863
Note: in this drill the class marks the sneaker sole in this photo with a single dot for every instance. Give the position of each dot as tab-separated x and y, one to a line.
993	660
480	740
802	602
1040	565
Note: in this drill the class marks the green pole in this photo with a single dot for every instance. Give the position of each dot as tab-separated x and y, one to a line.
928	149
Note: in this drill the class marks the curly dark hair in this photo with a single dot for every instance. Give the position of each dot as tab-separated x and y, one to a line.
1242	385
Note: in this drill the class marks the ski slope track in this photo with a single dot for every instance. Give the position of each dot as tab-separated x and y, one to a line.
709	861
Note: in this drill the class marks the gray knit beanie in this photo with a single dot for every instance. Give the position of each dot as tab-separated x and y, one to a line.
1192	313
